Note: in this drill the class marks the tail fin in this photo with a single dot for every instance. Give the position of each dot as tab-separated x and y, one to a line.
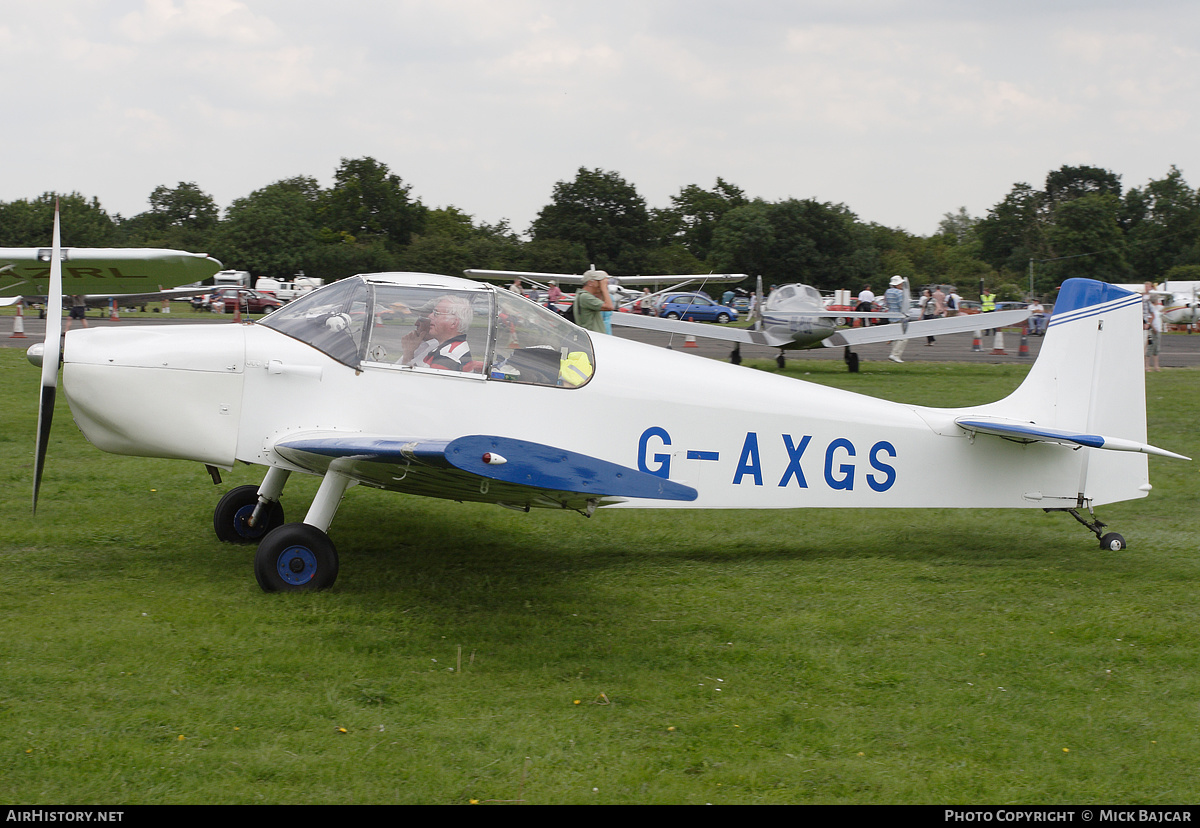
1088	382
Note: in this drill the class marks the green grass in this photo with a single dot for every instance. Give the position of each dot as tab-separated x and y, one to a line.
469	653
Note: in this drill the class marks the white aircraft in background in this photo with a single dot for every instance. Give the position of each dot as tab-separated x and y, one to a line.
101	274
794	317
622	296
333	385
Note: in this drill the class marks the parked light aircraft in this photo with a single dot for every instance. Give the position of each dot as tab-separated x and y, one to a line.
102	274
618	288
794	317
331	385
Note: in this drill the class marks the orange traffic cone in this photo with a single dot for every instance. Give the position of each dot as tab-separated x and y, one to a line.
19	323
998	344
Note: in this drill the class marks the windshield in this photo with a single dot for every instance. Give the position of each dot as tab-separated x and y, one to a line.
492	333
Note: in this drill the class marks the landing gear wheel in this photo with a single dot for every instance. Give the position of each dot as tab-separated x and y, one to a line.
736	356
296	557
230	518
781	361
851	361
1112	542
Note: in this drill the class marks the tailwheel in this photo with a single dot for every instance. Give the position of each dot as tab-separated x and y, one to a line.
296	557
232	519
1108	540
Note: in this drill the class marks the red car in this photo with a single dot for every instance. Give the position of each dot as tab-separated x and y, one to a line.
252	301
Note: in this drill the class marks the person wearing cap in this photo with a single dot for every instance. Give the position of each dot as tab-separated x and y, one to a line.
592	300
894	299
554	295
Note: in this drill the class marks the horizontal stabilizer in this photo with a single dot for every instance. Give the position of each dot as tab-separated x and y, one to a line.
926	327
1033	433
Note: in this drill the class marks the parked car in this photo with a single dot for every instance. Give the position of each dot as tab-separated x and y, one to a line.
697	307
252	301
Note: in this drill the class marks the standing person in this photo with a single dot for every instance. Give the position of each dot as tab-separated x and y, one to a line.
953	302
894	299
939	300
553	296
516	286
1155	328
78	311
928	311
866	303
591	300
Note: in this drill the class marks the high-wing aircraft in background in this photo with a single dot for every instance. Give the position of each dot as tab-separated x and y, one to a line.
445	387
794	317
101	274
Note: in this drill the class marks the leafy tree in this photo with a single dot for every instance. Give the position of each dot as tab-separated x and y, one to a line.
1163	226
180	218
602	212
30	223
1013	232
1068	183
451	243
743	240
694	214
273	231
1087	241
368	202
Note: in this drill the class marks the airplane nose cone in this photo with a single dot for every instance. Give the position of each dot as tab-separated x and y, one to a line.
35	353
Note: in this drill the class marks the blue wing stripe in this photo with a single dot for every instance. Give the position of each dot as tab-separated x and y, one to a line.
526	463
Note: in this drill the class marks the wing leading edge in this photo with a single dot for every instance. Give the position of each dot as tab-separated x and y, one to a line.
479	468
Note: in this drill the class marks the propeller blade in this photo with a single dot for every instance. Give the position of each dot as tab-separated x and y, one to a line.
756	313
50	358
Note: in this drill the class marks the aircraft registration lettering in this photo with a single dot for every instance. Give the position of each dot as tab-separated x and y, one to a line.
840	469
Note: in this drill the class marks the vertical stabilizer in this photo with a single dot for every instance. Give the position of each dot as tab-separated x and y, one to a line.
1089	377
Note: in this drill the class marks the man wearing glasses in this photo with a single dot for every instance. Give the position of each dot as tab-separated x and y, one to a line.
439	340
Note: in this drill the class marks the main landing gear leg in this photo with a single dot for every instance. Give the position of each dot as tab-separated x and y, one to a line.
299	557
851	360
1108	540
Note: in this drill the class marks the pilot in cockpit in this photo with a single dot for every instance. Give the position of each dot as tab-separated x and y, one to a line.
439	339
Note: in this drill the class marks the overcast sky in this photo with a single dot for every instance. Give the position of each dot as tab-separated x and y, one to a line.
902	111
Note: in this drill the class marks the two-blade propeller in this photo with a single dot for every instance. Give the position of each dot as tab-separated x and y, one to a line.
52	352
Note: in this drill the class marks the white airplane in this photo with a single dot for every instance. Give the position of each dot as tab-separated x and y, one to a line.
444	387
1181	302
102	274
618	286
794	316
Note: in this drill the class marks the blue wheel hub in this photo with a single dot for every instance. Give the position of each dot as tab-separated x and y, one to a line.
241	523
296	565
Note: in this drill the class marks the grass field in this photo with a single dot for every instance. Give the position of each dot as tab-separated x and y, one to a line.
473	654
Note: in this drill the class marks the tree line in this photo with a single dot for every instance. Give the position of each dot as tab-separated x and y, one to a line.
1081	223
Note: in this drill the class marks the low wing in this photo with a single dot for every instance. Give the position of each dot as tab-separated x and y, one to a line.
723	332
490	469
111	271
926	327
1026	432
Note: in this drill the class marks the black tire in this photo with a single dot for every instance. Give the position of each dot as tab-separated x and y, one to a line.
235	508
852	362
296	557
1112	542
